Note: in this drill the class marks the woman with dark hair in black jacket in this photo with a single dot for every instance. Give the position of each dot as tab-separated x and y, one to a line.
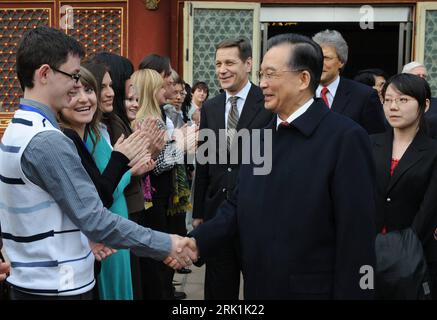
406	167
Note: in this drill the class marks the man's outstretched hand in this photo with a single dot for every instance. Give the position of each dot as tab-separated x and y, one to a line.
183	253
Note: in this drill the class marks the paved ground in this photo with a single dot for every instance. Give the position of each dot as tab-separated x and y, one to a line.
192	283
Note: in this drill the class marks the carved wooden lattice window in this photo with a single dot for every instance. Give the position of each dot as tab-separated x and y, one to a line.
13	23
98	29
426	40
207	24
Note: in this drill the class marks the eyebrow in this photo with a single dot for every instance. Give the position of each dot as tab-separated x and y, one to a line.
269	69
227	60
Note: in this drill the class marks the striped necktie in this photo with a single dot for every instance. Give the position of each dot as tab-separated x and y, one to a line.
232	120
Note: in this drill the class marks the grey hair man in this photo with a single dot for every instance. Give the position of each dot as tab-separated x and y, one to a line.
419	69
348	97
416	68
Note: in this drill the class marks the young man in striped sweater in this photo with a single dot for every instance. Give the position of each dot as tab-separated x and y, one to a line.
50	209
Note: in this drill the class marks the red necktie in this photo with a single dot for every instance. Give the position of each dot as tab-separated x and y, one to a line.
284	125
324	96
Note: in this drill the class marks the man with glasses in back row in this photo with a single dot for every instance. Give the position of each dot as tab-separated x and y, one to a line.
49	207
347	97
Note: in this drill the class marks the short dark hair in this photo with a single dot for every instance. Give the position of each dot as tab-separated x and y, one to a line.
120	69
304	55
376	72
156	62
43	45
202	86
243	45
366	78
413	86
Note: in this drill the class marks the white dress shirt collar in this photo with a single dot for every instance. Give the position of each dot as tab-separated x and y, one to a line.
300	111
242	94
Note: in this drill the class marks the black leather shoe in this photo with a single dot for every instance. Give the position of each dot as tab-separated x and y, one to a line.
184	270
179	295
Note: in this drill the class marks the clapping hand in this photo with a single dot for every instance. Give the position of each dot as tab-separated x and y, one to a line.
144	165
143	161
131	146
155	135
186	138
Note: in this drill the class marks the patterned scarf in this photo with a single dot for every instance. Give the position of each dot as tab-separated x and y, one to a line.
180	198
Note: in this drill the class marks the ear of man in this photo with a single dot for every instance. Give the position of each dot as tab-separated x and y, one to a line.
305	79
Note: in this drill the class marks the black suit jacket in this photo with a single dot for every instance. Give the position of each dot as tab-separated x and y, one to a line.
410	194
431	125
432	111
214	182
307	228
360	103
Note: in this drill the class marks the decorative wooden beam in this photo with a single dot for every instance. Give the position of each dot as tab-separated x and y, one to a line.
151	4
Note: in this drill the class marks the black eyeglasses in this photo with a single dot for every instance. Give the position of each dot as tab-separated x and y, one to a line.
269	75
74	76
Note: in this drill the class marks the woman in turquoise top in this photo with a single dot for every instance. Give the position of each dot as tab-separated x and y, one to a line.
115	278
118	123
110	170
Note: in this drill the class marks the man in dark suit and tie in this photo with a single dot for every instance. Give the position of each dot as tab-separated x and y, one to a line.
306	230
350	98
240	106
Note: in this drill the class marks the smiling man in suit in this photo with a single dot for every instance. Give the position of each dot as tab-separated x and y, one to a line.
350	98
306	230
240	106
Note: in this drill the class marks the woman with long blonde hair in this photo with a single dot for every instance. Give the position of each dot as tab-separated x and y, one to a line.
157	281
151	93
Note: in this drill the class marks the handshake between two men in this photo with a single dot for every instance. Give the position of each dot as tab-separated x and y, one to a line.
183	252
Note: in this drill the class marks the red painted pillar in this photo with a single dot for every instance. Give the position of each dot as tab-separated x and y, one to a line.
149	31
